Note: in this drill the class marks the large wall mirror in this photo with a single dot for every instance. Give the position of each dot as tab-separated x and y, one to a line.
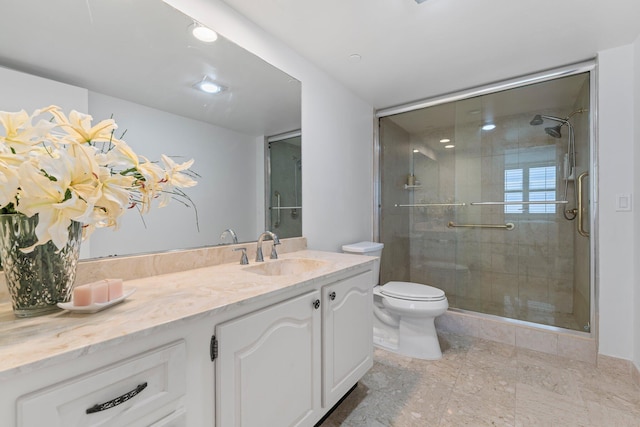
138	62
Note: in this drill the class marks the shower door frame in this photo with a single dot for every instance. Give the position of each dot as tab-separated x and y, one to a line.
539	77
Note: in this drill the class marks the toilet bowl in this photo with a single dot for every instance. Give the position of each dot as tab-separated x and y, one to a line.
404	312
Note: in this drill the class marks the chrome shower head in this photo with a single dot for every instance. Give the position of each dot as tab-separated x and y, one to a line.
537	120
554	131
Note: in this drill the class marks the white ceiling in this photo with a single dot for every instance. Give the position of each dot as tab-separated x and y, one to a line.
142	51
413	51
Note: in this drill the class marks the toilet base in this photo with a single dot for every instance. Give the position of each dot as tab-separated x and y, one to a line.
418	339
415	338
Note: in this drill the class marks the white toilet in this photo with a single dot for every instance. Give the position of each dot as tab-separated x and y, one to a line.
404	312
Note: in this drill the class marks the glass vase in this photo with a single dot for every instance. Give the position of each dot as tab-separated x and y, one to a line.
37	280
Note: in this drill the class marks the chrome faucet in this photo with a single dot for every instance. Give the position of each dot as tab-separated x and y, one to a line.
276	241
233	235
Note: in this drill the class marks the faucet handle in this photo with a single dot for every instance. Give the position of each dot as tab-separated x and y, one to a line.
276	242
244	260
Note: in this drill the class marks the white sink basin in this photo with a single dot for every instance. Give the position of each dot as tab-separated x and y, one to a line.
288	266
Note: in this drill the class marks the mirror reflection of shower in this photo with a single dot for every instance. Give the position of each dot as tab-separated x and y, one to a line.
569	167
297	168
284	185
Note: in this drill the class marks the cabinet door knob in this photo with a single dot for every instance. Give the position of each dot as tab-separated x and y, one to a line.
316	304
332	296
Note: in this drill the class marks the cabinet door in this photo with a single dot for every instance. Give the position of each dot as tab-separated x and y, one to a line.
347	335
268	370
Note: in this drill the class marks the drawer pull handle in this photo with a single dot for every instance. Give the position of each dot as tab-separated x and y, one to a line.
332	296
117	401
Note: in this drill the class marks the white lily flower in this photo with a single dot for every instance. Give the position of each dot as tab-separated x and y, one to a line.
173	175
59	170
20	135
79	129
52	200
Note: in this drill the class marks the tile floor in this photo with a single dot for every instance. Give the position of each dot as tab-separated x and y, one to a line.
484	383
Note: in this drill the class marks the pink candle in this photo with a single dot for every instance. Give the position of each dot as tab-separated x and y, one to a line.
115	288
100	291
82	295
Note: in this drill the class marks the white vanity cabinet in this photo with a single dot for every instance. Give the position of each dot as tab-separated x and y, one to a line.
272	351
160	379
268	369
347	335
289	363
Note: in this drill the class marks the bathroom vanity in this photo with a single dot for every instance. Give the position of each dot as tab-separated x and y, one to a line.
270	344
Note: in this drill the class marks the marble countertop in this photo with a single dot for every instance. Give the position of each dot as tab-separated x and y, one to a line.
28	344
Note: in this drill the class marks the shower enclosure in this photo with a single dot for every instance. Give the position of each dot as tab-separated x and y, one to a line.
487	198
284	181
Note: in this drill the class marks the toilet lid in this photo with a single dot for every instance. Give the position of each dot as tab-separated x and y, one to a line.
412	291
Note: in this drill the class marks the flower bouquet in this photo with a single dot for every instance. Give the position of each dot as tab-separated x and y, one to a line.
60	179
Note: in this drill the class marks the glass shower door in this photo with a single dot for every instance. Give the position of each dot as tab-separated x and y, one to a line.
479	198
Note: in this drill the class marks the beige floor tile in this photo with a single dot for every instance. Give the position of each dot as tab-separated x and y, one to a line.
491	353
485	383
601	415
537	407
469	410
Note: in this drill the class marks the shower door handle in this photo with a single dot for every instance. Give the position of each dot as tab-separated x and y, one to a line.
277	223
581	204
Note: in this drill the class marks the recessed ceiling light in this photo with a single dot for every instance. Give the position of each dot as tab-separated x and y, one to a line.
449	146
416	150
203	33
209	86
489	126
445	140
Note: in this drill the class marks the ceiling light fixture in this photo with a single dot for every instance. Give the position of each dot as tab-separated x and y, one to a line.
415	150
489	126
209	86
449	146
445	140
203	33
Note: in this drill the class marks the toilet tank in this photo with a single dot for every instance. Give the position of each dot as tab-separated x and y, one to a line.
369	249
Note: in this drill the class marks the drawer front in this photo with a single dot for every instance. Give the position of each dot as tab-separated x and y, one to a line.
176	419
116	395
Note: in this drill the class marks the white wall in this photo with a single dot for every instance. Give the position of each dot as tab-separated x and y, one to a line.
636	215
337	133
22	91
616	256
